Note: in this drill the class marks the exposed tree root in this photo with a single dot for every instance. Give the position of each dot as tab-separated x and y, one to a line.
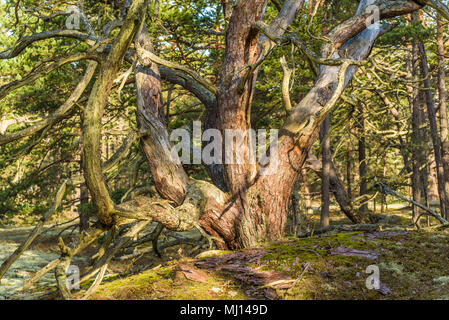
96	283
112	250
144	210
156	235
61	277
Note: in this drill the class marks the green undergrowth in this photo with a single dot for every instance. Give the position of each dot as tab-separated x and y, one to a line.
412	265
167	283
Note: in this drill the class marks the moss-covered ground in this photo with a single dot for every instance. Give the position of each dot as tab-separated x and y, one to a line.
413	264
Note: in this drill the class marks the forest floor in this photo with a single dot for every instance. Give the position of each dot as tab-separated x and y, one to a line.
412	264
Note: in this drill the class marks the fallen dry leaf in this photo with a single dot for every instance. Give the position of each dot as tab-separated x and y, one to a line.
193	274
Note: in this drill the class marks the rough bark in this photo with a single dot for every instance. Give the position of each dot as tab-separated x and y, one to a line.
94	111
260	202
244	50
418	136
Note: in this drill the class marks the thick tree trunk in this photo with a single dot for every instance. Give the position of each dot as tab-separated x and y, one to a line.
395	114
84	199
258	205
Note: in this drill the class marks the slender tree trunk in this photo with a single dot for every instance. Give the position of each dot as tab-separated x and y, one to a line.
306	190
84	194
349	168
425	149
417	138
383	196
325	144
443	107
444	203
295	214
362	158
250	197
84	199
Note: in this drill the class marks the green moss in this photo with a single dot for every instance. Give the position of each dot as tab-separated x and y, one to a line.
412	265
407	264
165	283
